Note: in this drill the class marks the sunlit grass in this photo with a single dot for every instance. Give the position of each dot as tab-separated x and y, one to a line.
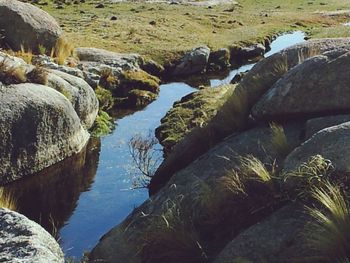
7	200
329	234
279	140
253	168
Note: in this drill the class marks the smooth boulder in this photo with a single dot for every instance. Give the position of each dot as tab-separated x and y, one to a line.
331	143
22	240
78	92
315	87
39	127
28	26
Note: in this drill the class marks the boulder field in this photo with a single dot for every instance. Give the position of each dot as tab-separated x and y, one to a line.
263	145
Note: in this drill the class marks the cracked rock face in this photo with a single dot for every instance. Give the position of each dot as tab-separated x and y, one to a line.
27	25
22	240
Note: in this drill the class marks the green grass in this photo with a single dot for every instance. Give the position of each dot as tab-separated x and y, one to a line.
329	234
103	124
179	28
105	98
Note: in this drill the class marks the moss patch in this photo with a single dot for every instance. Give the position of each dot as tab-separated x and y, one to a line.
193	110
103	124
140	80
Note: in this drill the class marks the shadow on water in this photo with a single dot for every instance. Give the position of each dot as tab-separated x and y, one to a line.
50	196
87	194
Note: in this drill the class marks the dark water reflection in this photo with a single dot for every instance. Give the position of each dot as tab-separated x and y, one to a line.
86	195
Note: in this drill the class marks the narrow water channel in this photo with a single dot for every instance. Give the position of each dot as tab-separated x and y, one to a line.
83	197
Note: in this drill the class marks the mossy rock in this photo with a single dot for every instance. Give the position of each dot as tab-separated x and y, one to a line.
139	80
139	98
193	110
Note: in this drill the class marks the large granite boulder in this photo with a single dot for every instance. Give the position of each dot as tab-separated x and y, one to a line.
189	185
39	127
278	238
315	87
194	62
331	143
78	92
27	25
22	240
316	124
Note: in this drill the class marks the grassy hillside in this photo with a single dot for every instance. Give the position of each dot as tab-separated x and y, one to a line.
162	30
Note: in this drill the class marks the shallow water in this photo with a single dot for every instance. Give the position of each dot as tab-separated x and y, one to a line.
83	197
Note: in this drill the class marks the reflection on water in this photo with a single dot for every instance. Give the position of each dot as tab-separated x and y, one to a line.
51	196
88	194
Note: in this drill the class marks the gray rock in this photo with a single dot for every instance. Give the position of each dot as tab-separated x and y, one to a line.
317	124
79	93
195	61
27	25
332	143
276	239
219	60
318	85
22	240
95	57
186	184
39	127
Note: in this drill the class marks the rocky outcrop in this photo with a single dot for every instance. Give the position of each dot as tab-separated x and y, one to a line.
194	62
233	116
279	238
22	240
315	87
39	127
240	55
189	185
78	92
28	26
219	60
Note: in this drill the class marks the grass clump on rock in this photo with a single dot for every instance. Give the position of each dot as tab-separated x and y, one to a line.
103	124
12	75
105	98
329	234
279	140
7	200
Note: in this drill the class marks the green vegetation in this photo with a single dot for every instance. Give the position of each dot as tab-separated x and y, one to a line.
253	168
329	234
105	98
7	200
140	80
103	124
163	31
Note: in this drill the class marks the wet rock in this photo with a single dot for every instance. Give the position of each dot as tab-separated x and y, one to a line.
219	60
237	78
140	98
315	87
22	240
194	62
27	25
240	55
39	127
152	67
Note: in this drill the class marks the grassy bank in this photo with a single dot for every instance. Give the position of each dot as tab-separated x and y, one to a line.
162	31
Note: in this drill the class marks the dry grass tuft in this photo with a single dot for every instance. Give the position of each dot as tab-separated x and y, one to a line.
7	200
38	75
11	75
253	168
62	50
279	140
329	233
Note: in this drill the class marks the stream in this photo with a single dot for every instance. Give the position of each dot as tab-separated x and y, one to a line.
81	198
